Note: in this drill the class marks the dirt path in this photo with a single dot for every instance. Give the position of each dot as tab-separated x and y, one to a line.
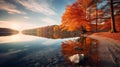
109	51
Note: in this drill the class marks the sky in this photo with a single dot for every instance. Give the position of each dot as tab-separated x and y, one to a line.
27	14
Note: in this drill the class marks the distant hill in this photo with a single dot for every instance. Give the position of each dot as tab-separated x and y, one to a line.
7	31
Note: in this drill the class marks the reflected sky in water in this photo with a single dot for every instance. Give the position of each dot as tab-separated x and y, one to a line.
17	38
22	38
25	50
32	51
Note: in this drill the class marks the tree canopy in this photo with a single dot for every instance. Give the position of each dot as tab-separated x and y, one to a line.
75	17
85	14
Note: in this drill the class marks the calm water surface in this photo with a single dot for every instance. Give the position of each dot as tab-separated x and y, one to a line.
32	51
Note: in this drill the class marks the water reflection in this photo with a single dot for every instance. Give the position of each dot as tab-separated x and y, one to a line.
83	47
52	35
31	51
17	38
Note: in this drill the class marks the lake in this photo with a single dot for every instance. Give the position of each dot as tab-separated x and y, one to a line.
31	51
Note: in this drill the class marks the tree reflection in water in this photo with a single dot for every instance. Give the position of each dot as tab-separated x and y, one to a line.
83	45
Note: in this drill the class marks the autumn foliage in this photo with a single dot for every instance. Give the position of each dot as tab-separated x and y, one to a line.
90	15
75	17
107	25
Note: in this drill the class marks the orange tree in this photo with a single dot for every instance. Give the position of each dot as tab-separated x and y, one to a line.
74	17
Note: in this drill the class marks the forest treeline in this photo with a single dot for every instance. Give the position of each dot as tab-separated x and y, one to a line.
53	31
7	31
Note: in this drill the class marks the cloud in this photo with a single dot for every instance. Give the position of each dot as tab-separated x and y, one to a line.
41	6
26	17
10	8
48	20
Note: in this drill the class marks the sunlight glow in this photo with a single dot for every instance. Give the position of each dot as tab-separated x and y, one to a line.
17	38
16	26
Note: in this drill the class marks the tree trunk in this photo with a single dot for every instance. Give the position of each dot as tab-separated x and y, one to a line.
113	29
96	17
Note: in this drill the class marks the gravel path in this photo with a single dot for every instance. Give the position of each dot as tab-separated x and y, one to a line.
109	51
